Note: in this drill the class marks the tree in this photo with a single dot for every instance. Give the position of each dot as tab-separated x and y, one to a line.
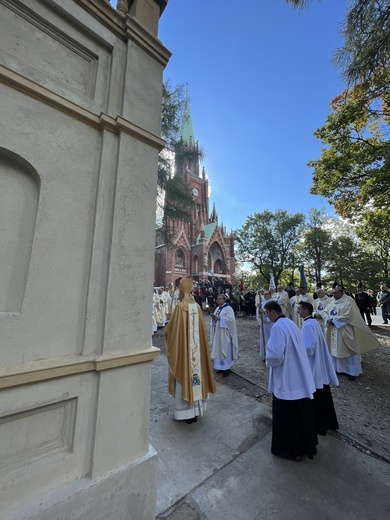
172	110
349	258
175	202
298	4
353	171
375	237
366	34
361	264
316	242
339	269
266	241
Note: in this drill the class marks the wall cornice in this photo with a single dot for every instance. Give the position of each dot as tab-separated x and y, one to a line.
128	27
44	370
137	33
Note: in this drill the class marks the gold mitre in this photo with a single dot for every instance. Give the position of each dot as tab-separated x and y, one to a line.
186	285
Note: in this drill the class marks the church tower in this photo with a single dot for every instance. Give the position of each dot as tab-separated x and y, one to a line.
202	248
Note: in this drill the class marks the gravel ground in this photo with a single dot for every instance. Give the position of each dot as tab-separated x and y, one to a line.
362	406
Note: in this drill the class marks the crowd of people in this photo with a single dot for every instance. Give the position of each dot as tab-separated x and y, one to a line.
306	342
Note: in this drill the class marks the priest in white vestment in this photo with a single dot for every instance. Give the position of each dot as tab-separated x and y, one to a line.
159	308
294	307
291	383
303	297
165	298
283	300
265	325
171	300
223	337
322	368
347	335
258	300
154	322
320	305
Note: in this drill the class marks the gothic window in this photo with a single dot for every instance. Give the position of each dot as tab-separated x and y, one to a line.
216	257
179	260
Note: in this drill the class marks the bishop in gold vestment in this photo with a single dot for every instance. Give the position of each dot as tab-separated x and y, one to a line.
190	373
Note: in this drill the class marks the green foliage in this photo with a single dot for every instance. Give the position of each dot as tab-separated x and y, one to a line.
339	269
296	257
353	171
349	263
366	38
298	4
266	241
375	237
251	280
315	243
174	201
331	249
173	104
186	155
366	32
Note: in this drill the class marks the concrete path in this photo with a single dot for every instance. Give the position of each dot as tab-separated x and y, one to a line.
221	467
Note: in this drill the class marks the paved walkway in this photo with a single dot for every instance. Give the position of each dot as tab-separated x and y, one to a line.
221	467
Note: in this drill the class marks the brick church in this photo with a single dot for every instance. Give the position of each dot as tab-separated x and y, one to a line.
201	248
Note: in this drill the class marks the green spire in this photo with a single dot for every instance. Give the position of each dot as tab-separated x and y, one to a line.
187	132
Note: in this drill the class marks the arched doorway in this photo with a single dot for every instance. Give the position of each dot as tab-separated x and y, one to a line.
216	259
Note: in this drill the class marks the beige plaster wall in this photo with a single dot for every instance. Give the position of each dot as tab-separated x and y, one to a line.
80	98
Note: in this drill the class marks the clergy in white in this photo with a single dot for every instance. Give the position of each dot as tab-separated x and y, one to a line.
283	300
258	300
347	334
165	298
292	385
303	297
265	324
294	306
322	368
223	337
159	308
320	305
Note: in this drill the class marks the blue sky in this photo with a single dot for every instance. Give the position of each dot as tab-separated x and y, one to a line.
260	80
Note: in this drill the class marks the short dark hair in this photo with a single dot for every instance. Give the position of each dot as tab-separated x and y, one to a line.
273	306
307	305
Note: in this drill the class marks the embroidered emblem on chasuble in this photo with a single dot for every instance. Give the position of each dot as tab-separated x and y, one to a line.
196	372
333	334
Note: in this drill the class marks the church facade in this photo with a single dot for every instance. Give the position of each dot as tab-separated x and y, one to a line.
202	248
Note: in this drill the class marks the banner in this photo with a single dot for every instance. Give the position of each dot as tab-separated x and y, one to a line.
302	281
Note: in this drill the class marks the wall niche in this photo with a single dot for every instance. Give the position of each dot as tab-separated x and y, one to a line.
19	197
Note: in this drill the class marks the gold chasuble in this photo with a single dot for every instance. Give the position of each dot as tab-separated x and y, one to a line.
188	352
355	336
